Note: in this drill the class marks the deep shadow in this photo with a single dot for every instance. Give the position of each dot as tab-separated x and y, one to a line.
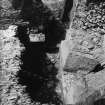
100	102
17	4
37	72
36	13
67	8
54	32
97	68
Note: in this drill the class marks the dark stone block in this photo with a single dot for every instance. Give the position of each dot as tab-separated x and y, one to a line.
75	63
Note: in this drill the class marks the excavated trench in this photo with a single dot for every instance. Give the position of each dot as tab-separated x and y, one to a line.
38	73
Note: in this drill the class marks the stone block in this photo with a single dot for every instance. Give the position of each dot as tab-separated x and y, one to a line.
77	62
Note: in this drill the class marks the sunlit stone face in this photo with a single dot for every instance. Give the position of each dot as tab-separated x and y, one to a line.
38	37
82	50
73	88
11	31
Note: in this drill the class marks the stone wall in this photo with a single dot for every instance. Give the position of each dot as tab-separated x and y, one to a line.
82	55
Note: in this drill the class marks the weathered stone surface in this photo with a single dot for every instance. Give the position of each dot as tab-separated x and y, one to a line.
5	4
82	50
75	62
56	6
77	54
73	87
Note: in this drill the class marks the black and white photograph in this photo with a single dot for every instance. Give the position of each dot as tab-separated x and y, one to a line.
52	52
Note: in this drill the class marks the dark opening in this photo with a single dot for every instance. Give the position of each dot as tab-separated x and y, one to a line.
100	102
67	8
38	73
98	68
